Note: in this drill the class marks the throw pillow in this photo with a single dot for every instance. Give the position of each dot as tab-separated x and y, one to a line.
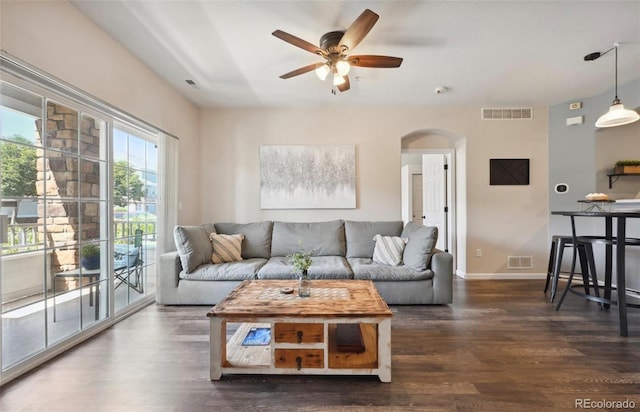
388	250
257	237
193	245
359	236
226	248
422	242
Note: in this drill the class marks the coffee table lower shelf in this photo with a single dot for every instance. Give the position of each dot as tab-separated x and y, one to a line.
299	346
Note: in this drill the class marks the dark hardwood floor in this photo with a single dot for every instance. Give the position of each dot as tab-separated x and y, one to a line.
500	347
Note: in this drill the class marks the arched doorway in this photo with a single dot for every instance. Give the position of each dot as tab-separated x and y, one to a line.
433	190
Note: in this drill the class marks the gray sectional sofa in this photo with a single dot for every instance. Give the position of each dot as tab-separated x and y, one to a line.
341	250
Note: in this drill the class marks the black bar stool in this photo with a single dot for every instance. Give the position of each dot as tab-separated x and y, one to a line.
558	244
590	240
583	248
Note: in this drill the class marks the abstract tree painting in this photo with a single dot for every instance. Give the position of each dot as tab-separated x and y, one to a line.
308	177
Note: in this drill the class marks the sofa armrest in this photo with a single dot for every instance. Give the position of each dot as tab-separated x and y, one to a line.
167	279
442	266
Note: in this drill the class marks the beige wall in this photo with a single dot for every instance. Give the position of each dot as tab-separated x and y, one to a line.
219	148
501	220
54	37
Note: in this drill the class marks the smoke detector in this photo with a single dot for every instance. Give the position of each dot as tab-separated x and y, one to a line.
440	90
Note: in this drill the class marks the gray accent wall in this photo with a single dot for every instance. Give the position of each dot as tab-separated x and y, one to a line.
582	155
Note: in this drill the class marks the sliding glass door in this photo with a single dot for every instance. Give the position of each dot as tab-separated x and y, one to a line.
25	257
135	187
53	190
78	193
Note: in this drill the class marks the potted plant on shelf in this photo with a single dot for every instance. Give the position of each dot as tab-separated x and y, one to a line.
90	256
627	167
301	261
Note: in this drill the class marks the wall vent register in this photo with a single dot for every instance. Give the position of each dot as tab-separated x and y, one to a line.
519	262
514	113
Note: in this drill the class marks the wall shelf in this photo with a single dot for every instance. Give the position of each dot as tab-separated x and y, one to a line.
613	177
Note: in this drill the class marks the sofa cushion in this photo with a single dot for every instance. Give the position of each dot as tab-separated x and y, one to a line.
257	237
193	245
242	270
226	248
319	238
419	249
367	269
322	267
388	250
359	235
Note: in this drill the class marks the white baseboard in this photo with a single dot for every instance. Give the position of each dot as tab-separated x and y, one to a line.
500	276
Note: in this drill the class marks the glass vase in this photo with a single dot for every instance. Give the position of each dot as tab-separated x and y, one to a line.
304	285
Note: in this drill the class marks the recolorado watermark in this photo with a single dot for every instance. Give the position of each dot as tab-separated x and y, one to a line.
585	403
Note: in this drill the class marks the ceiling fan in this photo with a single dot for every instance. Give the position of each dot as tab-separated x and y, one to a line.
335	47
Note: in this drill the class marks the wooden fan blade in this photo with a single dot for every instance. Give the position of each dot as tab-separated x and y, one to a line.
385	62
298	42
301	70
358	30
344	86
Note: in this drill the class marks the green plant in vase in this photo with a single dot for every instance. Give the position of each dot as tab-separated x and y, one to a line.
301	261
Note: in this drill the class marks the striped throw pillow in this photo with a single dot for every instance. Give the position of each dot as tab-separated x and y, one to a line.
388	250
226	248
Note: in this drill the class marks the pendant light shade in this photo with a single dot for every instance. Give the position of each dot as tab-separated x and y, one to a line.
617	114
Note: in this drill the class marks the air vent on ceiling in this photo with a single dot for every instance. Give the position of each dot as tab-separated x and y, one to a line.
517	113
519	262
192	83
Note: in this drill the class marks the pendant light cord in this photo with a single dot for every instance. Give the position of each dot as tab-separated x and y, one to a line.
616	99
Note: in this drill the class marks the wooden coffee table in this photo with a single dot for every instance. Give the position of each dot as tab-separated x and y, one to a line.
303	330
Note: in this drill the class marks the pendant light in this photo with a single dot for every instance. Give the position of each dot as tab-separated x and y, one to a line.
617	114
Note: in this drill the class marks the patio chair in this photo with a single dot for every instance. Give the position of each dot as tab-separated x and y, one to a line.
128	263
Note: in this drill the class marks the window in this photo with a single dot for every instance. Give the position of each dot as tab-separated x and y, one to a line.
135	188
80	184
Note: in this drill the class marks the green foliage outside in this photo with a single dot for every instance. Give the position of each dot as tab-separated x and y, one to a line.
19	174
127	185
18	167
18	160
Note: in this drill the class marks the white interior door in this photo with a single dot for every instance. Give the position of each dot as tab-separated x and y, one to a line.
434	196
417	198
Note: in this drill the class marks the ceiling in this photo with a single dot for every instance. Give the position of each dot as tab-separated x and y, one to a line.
489	54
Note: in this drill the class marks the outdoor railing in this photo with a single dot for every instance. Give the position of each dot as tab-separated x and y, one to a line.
128	228
25	237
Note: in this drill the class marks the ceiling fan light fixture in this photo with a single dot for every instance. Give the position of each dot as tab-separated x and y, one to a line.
617	116
343	67
335	48
323	71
